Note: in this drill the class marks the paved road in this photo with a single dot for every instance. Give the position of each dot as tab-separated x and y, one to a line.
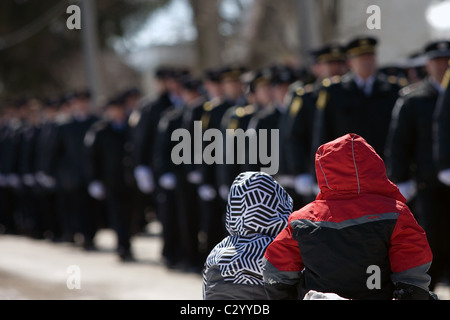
42	270
39	269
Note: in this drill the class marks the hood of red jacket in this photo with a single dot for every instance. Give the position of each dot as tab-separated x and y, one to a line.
350	166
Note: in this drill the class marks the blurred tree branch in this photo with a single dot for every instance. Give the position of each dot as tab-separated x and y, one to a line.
32	65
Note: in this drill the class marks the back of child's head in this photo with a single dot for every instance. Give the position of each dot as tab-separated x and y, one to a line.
257	204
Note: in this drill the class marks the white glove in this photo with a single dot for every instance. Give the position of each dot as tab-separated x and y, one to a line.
195	177
13	180
223	191
408	189
315	295
45	180
287	181
168	181
144	179
315	188
96	190
444	177
304	184
207	192
28	180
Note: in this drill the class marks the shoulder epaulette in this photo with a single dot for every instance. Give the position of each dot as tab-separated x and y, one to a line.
244	111
446	80
207	107
409	89
249	109
91	134
322	99
401	81
300	91
168	116
331	80
296	105
210	104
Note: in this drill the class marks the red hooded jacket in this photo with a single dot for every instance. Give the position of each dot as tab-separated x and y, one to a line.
357	239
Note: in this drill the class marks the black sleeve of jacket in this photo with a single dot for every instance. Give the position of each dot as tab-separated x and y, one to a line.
404	291
299	141
400	141
323	124
442	131
279	291
162	147
93	146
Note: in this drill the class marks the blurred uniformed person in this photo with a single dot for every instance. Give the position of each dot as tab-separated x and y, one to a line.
212	205
70	158
44	175
410	156
10	180
109	144
165	198
145	122
234	87
265	117
442	131
296	126
415	67
29	215
179	182
360	102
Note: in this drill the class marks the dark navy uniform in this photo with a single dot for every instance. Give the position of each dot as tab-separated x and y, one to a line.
213	207
109	146
410	163
442	127
71	161
181	212
297	125
45	173
10	151
30	218
344	107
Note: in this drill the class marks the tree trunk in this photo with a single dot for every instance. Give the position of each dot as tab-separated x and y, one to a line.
209	40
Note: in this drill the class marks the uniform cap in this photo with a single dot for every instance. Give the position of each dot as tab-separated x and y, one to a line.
361	45
437	49
328	53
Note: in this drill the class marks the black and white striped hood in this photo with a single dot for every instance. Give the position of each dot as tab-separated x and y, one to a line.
258	209
257	204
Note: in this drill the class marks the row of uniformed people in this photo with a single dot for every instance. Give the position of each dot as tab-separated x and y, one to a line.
188	197
350	95
399	120
191	200
45	170
416	152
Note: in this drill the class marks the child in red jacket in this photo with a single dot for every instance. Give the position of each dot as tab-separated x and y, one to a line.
358	239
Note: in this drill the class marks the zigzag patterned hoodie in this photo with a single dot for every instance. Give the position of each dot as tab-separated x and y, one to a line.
258	209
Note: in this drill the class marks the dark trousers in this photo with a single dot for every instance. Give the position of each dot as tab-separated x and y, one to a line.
166	211
212	224
119	213
75	210
8	209
433	214
50	220
188	211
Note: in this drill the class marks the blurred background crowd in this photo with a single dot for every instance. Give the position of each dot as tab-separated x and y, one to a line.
86	116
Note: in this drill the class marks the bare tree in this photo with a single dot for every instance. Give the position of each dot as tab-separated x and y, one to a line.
209	40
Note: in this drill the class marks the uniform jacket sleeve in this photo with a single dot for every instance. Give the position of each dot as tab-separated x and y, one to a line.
400	143
442	130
